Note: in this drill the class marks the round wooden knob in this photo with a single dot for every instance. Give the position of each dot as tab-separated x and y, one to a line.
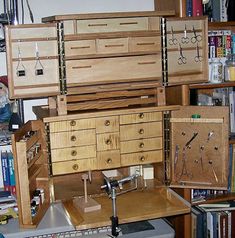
73	123
107	123
141	131
75	167
73	138
141	145
74	153
108	142
109	161
141	115
142	158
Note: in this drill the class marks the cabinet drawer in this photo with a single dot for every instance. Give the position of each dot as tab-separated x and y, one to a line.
81	152
143	130
73	138
86	71
71	125
141	158
112	46
141	145
109	141
73	166
108	159
80	47
107	124
141	117
146	44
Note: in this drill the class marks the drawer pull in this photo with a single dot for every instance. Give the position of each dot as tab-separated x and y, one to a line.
107	123
142	158
141	145
98	24
108	142
109	161
82	67
141	131
128	23
79	47
141	115
73	138
73	123
147	43
75	167
74	153
120	45
147	62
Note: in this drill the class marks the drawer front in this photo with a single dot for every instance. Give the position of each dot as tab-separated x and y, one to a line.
86	71
107	124
143	130
80	47
112	46
141	145
71	125
109	141
112	25
142	158
73	166
141	117
108	159
81	152
145	44
73	138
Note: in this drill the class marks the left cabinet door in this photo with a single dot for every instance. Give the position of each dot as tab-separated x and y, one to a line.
32	60
32	181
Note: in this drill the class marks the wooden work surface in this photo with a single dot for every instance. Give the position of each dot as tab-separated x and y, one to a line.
132	206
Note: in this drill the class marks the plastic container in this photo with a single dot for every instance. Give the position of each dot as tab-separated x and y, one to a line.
229	68
216	71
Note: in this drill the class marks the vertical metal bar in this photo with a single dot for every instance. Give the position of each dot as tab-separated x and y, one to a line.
167	167
164	52
21	109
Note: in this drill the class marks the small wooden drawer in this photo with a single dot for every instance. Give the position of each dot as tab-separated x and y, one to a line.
140	117
71	125
73	138
108	141
80	47
73	166
143	130
107	124
108	159
145	44
112	46
142	158
141	145
81	152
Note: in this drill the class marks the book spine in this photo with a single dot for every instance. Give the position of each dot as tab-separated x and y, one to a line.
223	11
219	46
197	7
216	10
189	8
233	43
11	172
211	46
5	171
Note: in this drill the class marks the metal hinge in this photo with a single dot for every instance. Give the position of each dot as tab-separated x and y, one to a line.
164	52
167	129
47	129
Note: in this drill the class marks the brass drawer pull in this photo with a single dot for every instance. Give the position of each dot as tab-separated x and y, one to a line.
82	67
73	138
147	43
107	123
141	145
108	142
74	153
98	24
142	158
73	123
147	62
75	167
109	161
141	115
79	47
120	45
141	131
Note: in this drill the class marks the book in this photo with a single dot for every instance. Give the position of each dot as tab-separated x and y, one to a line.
197	8
223	11
232	111
213	207
5	171
11	173
189	8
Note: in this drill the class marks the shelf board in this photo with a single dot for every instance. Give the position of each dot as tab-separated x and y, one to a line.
217	198
212	85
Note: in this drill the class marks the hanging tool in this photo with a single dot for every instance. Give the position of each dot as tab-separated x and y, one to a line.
173	40
182	59
20	69
213	170
38	65
189	142
185	38
198	57
195	38
184	170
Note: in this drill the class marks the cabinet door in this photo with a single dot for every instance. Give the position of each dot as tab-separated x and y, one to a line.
32	59
199	147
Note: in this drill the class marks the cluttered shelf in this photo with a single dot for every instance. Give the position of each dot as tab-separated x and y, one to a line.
212	85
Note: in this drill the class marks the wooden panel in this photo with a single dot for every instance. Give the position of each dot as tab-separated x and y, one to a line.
145	44
140	117
141	145
80	47
72	125
109	141
69	27
73	138
108	159
143	130
107	124
112	46
141	158
73	153
73	166
113	69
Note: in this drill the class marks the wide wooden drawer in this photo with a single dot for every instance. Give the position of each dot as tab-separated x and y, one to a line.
107	124
80	47
141	158
112	46
73	138
141	145
73	166
145	44
71	125
86	71
140	117
108	159
108	141
143	130
81	152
